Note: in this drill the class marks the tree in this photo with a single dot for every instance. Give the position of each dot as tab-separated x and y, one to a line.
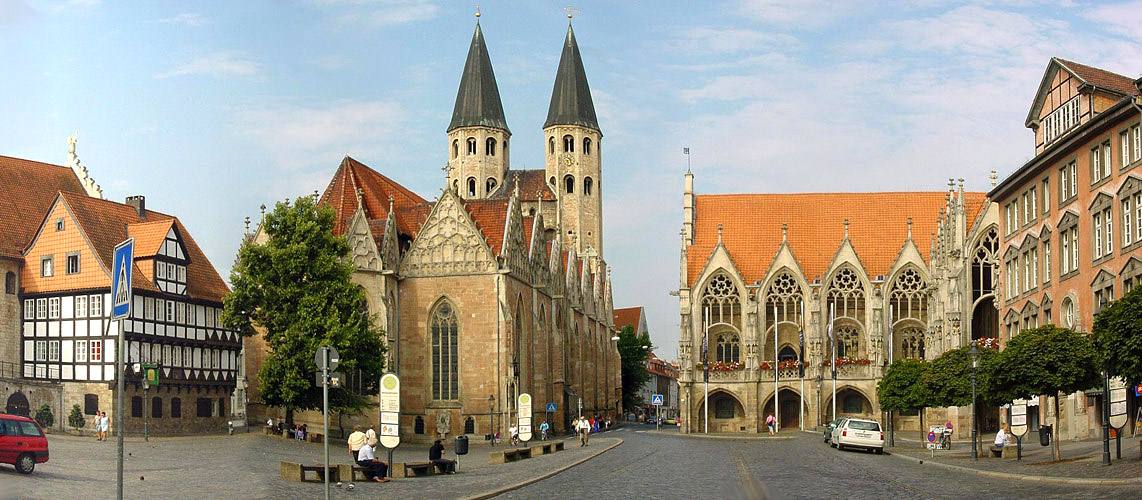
75	418
901	389
948	378
1046	360
1118	336
633	351
296	288
45	416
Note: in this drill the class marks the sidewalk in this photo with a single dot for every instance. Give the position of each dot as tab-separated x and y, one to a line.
1081	460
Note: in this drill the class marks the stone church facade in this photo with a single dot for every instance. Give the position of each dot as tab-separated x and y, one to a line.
763	276
498	286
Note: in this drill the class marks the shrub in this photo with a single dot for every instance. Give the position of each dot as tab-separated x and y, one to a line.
75	419
45	416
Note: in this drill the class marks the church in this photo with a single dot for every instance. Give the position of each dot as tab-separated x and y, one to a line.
498	286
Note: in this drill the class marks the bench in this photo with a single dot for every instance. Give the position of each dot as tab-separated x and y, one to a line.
511	455
292	471
352	471
541	449
559	445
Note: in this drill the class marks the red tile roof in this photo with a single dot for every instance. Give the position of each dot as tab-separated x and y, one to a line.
628	316
1101	78
149	236
532	186
341	194
27	190
106	224
877	230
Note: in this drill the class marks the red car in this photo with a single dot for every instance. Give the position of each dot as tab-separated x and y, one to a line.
22	443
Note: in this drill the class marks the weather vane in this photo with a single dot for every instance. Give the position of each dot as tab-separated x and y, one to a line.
477	11
571	12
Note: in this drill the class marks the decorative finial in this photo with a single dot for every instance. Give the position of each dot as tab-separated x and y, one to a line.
316	195
909	228
360	198
993	177
390	203
477	13
515	186
720	228
951	184
247	224
846	229
784	233
571	13
263	209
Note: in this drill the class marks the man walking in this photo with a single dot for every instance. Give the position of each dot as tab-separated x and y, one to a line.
584	428
355	441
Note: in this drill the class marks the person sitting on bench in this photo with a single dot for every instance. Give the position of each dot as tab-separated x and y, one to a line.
436	456
375	470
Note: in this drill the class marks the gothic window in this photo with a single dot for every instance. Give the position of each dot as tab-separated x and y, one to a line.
909	297
723	407
10	283
852	404
490	185
469	425
847	341
787	353
846	296
721	303
471	186
551	145
569	182
445	377
455	148
471	145
587	146
587	185
490	147
729	349
911	343
176	407
568	144
984	265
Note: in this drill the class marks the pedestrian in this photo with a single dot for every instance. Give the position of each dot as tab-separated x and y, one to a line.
771	423
436	456
301	432
355	441
1001	437
371	437
513	434
543	427
375	470
104	425
584	429
270	423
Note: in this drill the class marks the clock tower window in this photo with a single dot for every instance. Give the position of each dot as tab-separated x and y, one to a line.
587	146
568	144
569	181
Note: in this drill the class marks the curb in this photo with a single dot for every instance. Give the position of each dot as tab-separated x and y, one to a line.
521	484
1022	477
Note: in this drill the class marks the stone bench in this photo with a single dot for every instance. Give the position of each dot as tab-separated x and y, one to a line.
352	471
292	471
510	455
542	449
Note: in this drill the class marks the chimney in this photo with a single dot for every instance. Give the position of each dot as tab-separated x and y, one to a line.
140	204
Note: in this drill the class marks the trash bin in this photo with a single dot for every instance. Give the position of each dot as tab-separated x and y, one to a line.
1045	435
461	445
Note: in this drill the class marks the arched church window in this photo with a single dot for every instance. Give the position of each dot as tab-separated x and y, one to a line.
721	303
587	146
10	283
848	341
490	185
471	186
729	349
852	404
911	342
985	265
469	425
587	185
471	145
455	148
569	182
723	407
908	310
846	296
787	354
568	144
490	147
445	352
551	145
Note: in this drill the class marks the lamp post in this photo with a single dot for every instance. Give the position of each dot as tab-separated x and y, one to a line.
819	380
492	417
974	352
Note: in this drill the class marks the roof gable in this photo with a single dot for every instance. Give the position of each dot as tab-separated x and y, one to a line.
28	190
1088	75
353	177
449	243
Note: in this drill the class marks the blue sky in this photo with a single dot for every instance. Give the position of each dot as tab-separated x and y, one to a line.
213	108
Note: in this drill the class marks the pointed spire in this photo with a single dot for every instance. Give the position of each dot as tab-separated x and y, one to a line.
478	99
720	228
846	229
910	228
571	102
784	233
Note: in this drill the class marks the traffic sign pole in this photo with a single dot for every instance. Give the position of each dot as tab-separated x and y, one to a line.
121	296
323	351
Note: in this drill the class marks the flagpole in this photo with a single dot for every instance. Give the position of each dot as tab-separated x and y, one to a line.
801	365
776	372
833	355
891	343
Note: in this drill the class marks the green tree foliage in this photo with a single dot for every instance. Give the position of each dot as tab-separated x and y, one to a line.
45	416
296	287
75	418
633	350
1045	360
948	379
902	388
1118	336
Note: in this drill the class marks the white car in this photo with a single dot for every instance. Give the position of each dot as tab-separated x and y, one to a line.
859	433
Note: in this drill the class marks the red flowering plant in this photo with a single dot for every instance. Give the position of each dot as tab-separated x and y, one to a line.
789	364
845	360
726	366
988	343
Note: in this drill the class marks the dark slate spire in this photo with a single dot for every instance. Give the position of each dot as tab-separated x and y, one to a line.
571	99
478	100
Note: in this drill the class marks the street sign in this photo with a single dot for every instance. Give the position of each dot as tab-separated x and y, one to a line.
334	357
335	379
552	407
931	437
524	417
390	410
656	399
1117	403
1019	417
121	279
150	376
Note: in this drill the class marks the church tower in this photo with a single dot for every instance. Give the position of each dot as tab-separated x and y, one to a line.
574	154
478	134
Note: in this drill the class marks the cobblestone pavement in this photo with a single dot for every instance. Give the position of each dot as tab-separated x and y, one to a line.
653	465
247	466
1081	459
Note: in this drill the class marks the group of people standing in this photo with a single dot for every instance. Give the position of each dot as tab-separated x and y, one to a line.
102	425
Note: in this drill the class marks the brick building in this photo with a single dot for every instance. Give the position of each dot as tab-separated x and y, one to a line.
1071	238
498	286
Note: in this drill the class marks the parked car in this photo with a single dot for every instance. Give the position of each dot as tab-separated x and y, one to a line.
859	433
829	429
22	443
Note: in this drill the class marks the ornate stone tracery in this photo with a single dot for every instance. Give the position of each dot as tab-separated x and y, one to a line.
448	244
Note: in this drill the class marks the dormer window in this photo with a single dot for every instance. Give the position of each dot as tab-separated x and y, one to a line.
1061	120
170	265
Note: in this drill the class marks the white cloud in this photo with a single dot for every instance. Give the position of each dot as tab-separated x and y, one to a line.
299	136
794	15
185	19
379	13
704	39
76	4
13	11
217	64
1123	18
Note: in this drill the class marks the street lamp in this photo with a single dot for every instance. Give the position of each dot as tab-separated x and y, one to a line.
492	417
974	352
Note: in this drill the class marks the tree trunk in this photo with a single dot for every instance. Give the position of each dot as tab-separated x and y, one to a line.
1057	429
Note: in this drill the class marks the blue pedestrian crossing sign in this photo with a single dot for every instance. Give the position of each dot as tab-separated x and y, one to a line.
656	399
551	407
121	279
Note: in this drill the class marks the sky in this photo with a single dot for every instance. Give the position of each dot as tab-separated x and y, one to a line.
211	109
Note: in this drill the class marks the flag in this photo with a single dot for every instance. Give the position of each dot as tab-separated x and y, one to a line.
705	358
801	353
